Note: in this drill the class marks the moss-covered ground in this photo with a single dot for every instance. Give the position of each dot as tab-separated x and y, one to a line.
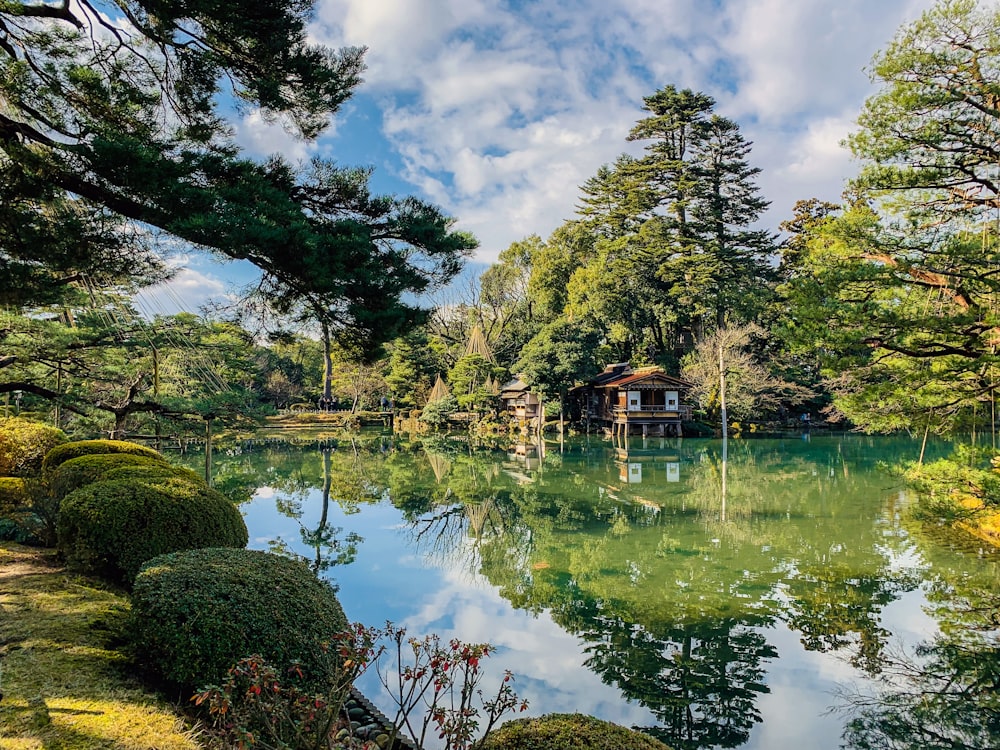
65	685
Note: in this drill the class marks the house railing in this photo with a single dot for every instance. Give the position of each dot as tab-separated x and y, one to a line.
684	411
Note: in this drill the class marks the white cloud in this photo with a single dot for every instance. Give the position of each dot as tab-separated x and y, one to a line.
264	137
185	292
499	113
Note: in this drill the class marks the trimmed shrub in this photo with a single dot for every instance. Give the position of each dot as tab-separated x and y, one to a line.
83	470
24	444
18	522
110	528
568	732
13	495
195	614
66	451
153	472
23	518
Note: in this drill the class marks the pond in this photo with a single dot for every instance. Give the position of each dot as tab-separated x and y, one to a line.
650	583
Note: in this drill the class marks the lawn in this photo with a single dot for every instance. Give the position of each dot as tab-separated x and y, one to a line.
65	685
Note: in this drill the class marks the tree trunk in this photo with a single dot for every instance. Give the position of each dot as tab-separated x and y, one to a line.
722	393
208	452
562	412
327	364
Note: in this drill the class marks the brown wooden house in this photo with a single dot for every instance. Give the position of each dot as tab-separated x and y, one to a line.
521	405
645	401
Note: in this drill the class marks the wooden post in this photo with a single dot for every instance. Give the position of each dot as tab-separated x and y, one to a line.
208	452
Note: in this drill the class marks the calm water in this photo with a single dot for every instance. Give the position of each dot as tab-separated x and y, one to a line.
719	604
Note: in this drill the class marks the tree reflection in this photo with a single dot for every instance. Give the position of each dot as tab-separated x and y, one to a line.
700	678
670	560
328	546
670	593
945	695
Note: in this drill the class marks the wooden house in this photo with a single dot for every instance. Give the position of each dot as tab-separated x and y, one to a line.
645	401
521	405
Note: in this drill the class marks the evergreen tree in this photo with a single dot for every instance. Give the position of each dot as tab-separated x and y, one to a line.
115	111
900	291
673	251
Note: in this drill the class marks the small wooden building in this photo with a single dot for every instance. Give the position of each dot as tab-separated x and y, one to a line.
521	405
645	401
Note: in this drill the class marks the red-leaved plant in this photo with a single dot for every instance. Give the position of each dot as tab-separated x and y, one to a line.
434	687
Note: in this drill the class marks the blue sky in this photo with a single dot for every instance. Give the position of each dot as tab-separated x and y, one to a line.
497	111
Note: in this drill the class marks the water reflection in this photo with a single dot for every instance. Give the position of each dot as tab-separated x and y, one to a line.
677	566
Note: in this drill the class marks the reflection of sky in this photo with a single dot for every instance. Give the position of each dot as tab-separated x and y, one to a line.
429	590
388	581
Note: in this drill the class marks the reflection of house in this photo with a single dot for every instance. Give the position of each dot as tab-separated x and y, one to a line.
655	459
521	404
644	401
528	455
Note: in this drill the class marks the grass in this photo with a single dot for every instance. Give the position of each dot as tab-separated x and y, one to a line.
65	686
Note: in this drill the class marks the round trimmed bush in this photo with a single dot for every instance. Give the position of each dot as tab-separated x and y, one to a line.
196	613
83	470
153	472
110	528
66	451
568	732
24	444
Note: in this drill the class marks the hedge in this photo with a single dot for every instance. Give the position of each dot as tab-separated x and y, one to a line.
66	451
196	613
18	522
111	527
24	444
568	732
83	470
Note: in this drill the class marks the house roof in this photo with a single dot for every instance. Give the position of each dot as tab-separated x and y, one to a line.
647	376
611	372
516	386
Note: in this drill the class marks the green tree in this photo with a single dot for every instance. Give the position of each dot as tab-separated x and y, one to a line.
473	380
553	263
120	107
412	368
111	371
900	291
674	251
562	354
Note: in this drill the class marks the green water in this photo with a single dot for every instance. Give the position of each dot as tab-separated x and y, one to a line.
715	603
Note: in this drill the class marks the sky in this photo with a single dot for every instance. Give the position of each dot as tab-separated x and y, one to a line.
498	110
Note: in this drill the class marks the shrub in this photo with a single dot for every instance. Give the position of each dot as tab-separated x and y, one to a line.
568	732
66	451
153	472
83	470
23	516
24	444
436	413
197	613
13	495
18	521
113	526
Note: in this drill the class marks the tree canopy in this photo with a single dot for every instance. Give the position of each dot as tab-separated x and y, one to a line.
899	291
114	115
